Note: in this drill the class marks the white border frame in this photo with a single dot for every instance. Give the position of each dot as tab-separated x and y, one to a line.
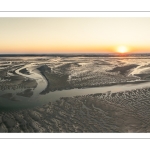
75	14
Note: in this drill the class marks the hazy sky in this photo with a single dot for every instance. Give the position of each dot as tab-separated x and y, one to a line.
61	35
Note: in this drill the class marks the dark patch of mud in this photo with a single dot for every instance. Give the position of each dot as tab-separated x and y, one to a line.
123	69
24	71
26	93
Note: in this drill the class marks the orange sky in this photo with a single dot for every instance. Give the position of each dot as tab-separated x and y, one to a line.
74	35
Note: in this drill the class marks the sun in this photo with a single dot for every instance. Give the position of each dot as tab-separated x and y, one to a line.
122	49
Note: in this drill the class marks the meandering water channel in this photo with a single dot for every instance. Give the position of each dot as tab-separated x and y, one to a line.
37	99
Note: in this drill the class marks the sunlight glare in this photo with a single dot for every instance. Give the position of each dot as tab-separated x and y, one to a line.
122	49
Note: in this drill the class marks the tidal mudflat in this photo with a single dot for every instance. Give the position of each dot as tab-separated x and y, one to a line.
62	93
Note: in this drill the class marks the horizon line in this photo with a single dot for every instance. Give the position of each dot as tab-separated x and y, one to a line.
74	53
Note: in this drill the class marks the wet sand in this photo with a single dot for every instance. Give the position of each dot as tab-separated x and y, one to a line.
120	103
96	113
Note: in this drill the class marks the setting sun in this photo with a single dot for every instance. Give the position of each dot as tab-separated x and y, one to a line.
122	49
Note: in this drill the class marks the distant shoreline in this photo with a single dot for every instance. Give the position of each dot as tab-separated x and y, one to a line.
79	55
